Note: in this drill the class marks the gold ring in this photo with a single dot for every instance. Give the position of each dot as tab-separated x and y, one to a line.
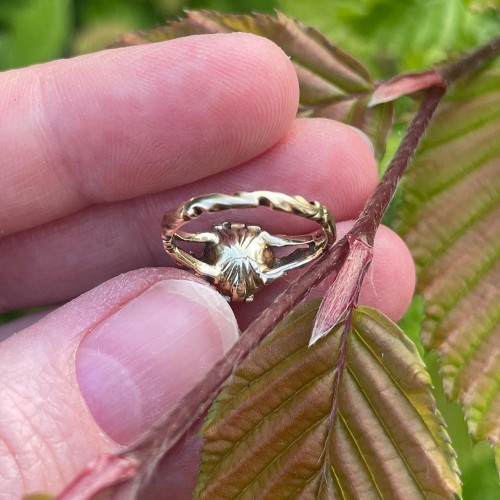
238	259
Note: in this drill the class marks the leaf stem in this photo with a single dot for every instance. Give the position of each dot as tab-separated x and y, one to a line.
371	216
469	63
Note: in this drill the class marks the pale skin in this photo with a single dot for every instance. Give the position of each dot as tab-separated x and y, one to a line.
94	151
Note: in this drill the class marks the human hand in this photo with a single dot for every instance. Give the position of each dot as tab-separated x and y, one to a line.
94	151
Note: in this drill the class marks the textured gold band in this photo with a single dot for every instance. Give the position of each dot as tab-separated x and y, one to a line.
237	258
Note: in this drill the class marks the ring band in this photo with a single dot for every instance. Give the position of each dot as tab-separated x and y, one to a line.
238	259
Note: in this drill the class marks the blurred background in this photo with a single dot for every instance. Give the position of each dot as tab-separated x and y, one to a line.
388	36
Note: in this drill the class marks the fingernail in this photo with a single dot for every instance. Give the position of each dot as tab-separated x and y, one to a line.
143	359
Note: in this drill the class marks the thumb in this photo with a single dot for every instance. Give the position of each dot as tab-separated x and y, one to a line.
97	372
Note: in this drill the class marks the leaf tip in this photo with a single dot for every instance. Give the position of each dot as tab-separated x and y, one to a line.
317	333
374	100
325	322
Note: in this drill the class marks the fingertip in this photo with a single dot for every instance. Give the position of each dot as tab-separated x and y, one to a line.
341	167
390	281
150	353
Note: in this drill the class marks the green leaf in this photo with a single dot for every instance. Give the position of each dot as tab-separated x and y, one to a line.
450	218
333	83
394	36
33	31
234	5
337	420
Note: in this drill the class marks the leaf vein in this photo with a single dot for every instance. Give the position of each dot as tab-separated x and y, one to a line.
356	444
275	410
472	126
424	197
389	435
468	288
455	236
296	440
267	372
479	339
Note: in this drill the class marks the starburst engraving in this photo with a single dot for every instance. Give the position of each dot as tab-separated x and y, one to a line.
243	256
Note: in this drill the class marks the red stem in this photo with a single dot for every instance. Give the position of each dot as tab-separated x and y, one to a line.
375	207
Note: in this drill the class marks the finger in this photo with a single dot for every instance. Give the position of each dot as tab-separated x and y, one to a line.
96	373
22	322
388	284
127	122
318	159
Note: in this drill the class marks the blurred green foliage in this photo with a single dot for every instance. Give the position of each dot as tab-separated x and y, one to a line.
32	31
393	36
389	36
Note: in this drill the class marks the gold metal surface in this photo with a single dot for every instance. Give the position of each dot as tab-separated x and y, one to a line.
239	259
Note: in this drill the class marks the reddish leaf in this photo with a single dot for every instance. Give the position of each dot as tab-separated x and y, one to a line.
342	296
405	85
450	218
350	417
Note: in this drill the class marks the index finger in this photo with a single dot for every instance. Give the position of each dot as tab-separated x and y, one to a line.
127	122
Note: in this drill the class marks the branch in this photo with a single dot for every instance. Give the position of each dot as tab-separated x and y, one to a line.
375	207
471	62
150	448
